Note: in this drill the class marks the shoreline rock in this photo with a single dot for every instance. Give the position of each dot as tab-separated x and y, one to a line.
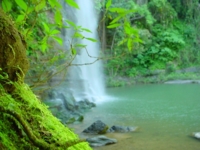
100	141
182	82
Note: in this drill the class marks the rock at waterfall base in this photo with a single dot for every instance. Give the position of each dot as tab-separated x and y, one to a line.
121	129
100	141
196	135
98	127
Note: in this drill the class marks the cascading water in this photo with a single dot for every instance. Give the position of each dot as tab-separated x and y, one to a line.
86	80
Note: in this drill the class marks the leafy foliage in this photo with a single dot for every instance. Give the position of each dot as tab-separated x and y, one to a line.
164	29
41	23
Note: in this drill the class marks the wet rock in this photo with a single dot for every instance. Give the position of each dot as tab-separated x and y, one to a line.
100	141
121	129
52	94
68	101
97	127
84	105
196	135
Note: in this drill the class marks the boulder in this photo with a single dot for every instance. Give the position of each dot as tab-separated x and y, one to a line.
98	127
122	129
196	135
68	101
100	141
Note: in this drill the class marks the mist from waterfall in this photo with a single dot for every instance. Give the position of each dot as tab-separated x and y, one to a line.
87	81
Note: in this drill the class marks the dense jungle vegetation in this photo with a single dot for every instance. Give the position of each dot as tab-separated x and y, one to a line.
168	30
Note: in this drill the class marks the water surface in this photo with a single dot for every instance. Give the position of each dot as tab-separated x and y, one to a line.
166	115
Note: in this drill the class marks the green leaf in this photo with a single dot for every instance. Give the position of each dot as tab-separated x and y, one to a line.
78	35
46	27
72	3
80	45
87	30
20	18
21	4
91	39
116	19
44	47
127	29
71	23
73	51
114	25
118	10
108	4
58	18
54	3
6	5
54	32
30	10
41	5
58	39
122	42
129	44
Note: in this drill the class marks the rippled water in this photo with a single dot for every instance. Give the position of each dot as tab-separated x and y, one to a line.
166	115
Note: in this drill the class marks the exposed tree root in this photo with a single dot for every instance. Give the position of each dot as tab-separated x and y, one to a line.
37	142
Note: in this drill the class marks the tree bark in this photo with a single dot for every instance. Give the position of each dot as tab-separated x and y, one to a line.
13	61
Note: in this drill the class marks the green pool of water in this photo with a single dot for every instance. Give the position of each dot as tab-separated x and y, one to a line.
166	115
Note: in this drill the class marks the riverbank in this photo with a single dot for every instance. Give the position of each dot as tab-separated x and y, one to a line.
187	75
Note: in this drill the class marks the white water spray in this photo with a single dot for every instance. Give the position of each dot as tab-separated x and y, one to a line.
86	81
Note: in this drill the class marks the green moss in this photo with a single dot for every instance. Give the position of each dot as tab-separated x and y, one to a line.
23	111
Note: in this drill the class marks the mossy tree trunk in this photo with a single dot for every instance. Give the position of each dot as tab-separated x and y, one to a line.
25	123
13	61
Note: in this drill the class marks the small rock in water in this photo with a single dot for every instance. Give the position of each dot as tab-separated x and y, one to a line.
100	141
98	127
196	135
117	128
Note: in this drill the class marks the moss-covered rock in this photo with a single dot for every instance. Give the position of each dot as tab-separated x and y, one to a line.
26	123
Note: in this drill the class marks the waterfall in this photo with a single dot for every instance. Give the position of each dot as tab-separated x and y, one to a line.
86	81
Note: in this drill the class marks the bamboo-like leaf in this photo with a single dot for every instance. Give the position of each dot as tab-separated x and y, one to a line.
6	5
44	47
108	4
54	3
72	3
21	4
73	50
80	45
71	23
78	35
91	39
118	10
127	28
46	27
122	42
87	30
58	39
58	18
113	25
116	19
55	31
129	44
40	6
20	18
